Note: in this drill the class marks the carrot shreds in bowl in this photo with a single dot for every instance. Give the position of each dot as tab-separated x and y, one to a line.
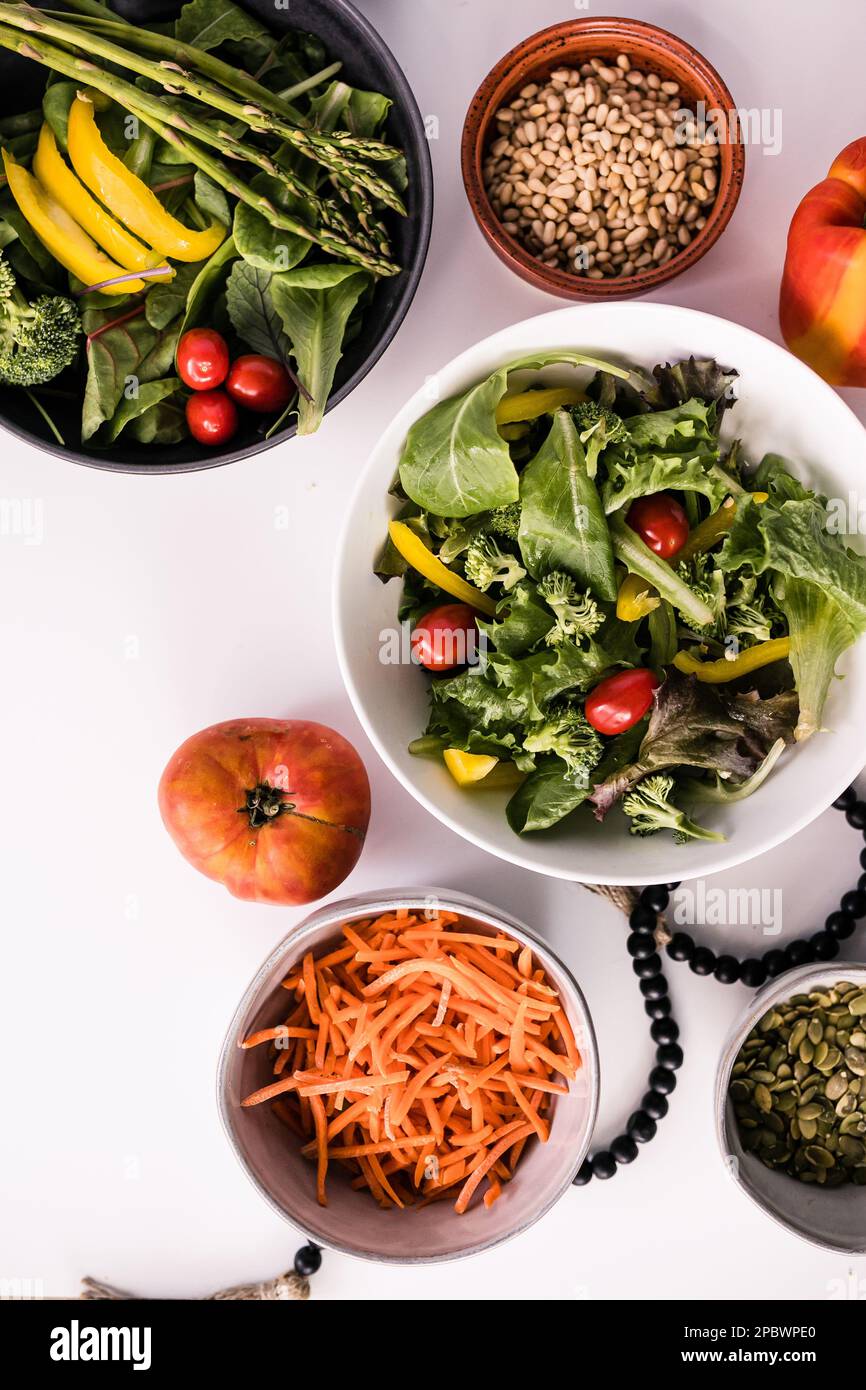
422	1057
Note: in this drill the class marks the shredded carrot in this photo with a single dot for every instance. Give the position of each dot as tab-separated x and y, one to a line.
432	1052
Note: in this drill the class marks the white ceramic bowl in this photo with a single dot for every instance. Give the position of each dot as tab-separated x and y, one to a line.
832	1217
783	407
351	1222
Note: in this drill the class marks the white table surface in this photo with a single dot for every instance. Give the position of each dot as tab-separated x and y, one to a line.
155	607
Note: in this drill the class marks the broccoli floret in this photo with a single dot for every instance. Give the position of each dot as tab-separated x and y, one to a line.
709	584
650	808
597	427
36	340
487	563
567	733
505	521
577	615
747	615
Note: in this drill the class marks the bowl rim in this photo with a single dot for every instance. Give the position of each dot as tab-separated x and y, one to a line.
811	808
403	96
385	900
788	983
510	251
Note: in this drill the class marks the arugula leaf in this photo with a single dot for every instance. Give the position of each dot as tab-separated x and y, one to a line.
209	23
696	725
562	524
261	243
545	797
164	302
211	199
206	286
150	394
252	311
314	303
454	461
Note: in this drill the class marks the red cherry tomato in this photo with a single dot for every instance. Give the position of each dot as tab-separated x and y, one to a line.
621	700
202	359
211	417
259	383
445	637
660	522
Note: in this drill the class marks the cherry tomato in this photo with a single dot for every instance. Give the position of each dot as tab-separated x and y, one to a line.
660	522
259	383
211	417
621	700
202	359
445	637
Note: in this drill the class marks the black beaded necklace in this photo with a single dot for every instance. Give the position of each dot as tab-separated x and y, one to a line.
647	965
752	972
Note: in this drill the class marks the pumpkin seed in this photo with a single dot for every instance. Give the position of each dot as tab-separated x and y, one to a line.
798	1087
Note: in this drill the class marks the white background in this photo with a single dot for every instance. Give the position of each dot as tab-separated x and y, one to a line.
154	607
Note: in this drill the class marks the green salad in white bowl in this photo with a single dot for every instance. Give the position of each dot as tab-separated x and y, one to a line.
627	595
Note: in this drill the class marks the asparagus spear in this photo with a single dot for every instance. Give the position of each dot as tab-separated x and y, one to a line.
169	124
232	79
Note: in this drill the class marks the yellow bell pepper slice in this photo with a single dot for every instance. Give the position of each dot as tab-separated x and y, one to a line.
716	672
57	178
130	200
60	234
467	768
422	559
635	599
528	405
712	528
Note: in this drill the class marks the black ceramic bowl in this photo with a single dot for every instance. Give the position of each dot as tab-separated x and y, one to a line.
367	63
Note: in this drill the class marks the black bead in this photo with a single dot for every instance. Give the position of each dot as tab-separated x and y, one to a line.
846	799
863	859
703	962
681	946
655	898
640	944
624	1149
856	815
657	1008
662	1079
664	1030
861	883
654	988
774	962
641	1126
753	973
727	970
671	887
645	968
308	1260
643	918
655	1105
603	1164
583	1174
840	925
824	946
669	1056
797	953
855	903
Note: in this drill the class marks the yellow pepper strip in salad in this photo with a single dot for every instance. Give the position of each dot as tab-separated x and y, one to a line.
635	599
130	200
57	178
60	234
467	768
713	528
528	405
715	672
422	559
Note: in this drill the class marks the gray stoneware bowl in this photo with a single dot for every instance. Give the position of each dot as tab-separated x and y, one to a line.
351	1222
367	63
833	1218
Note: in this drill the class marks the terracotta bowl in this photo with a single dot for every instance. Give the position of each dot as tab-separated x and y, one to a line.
568	45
